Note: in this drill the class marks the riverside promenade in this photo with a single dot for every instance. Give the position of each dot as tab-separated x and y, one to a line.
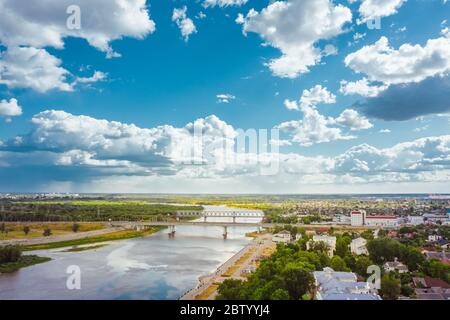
206	288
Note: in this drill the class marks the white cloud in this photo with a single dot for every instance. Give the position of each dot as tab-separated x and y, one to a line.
102	155
42	23
361	87
97	76
223	3
317	95
186	25
9	109
330	50
294	27
353	120
410	63
313	128
225	98
371	9
26	67
384	131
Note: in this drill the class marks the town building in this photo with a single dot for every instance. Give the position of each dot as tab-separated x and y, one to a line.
428	288
395	265
358	246
341	219
442	256
415	220
333	285
360	218
329	240
282	237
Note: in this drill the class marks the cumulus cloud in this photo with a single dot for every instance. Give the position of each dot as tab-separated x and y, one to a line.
352	119
313	128
186	25
68	150
361	87
408	101
371	9
223	3
26	67
294	27
410	63
42	23
9	109
312	97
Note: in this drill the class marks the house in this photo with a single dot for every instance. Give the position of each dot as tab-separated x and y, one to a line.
443	243
329	240
358	246
443	256
428	288
333	285
282	237
434	237
395	266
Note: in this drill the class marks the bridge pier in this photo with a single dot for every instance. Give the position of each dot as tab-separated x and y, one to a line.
225	232
171	231
204	219
234	219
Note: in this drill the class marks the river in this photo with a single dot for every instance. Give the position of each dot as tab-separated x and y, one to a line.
154	267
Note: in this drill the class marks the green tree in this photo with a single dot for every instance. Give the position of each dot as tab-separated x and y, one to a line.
383	249
361	265
342	246
338	264
26	230
280	294
298	280
10	253
47	232
2	227
390	287
230	289
75	227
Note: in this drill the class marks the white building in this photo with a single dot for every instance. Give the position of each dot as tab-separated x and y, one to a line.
434	237
415	220
358	246
341	219
360	218
357	217
333	285
395	266
282	237
329	240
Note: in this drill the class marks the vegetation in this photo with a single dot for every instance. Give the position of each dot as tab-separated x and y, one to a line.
113	236
390	287
11	259
88	210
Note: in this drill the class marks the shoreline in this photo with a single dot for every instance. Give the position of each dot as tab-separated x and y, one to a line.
249	252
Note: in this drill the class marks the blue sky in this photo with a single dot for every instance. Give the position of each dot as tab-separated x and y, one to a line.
163	78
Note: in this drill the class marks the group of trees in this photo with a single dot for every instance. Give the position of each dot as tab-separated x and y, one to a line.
87	210
10	253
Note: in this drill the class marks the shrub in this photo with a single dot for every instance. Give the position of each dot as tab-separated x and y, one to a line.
10	253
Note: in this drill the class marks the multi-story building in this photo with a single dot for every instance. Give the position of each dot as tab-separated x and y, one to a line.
358	246
360	218
333	285
329	240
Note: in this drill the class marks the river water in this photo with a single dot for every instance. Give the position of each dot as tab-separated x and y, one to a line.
154	267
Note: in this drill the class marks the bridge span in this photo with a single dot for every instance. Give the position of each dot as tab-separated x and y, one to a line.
260	225
222	214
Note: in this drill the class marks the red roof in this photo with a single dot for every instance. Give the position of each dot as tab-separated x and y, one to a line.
435	282
381	217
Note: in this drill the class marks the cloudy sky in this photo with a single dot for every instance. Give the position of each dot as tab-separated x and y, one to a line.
334	96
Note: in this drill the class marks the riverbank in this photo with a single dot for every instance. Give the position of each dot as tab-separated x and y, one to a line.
24	261
111	236
234	268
